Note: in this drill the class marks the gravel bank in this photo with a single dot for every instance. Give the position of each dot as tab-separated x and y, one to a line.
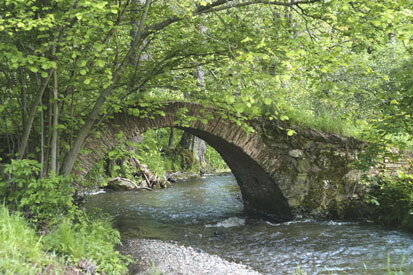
171	258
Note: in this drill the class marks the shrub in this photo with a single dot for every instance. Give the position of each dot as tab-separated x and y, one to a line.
45	199
50	201
392	201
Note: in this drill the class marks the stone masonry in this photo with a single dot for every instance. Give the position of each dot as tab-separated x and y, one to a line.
281	177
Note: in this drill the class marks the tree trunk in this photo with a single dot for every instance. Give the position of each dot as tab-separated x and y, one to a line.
23	96
42	172
171	138
53	161
29	122
195	145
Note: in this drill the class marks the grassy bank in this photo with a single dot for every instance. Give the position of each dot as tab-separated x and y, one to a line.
43	230
22	250
68	246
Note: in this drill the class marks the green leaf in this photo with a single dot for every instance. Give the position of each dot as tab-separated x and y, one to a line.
82	63
87	81
267	101
230	99
283	117
246	39
100	63
33	69
291	132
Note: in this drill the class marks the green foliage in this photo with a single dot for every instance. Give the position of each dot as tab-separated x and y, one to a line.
154	152
151	152
50	201
21	249
257	60
394	124
186	159
17	176
214	160
46	199
94	240
119	161
97	176
392	201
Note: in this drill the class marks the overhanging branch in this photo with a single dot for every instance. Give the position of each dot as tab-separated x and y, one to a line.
220	5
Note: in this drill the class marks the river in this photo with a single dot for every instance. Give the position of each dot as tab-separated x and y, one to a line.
207	214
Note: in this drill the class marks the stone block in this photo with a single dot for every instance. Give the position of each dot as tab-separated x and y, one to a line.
296	153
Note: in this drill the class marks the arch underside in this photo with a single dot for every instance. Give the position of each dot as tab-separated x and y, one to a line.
260	192
261	195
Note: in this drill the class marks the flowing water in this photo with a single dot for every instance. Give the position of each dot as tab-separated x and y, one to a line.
207	214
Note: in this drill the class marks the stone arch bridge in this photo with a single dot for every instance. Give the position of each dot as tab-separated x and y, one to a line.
280	176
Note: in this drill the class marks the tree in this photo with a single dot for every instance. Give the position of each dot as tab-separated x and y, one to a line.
79	62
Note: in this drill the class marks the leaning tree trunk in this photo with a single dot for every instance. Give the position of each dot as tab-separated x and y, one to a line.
71	156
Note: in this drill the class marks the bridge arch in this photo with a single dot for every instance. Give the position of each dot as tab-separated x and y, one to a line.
279	176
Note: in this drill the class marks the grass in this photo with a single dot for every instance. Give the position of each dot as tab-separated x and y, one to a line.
327	120
93	240
21	250
323	120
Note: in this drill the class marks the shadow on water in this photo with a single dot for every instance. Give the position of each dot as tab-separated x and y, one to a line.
207	213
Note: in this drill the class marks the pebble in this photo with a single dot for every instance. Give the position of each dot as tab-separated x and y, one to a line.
158	257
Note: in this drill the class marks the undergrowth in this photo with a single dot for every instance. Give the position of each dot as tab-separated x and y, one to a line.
153	151
391	201
93	240
21	250
46	205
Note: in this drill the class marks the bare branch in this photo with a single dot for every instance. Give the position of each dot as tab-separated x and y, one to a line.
220	5
266	2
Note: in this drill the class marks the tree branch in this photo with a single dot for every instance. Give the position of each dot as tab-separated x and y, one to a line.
220	5
248	3
72	154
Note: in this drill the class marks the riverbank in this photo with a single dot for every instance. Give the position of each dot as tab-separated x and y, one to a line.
158	257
